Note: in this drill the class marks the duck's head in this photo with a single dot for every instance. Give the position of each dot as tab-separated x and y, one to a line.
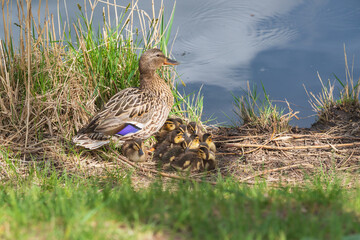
169	125
203	152
153	59
192	128
176	136
207	137
183	128
194	143
137	146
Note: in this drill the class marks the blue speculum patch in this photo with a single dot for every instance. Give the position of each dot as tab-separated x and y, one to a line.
128	129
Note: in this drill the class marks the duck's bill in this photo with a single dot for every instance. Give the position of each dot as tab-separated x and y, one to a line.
169	61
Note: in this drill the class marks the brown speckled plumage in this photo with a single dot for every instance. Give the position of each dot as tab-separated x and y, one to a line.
145	108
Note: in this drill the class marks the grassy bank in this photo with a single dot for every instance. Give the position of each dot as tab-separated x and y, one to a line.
46	205
60	75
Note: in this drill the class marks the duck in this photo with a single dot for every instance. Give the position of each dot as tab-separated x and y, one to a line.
193	128
207	138
176	137
132	112
193	142
169	125
191	160
173	152
134	150
209	159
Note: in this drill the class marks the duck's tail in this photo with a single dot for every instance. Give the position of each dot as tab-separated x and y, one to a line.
85	141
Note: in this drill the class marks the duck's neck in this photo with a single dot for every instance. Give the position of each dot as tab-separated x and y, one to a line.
150	81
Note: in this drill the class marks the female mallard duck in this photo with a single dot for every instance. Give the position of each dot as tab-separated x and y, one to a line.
134	150
132	112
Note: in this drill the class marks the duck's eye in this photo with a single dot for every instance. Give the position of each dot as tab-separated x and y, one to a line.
158	55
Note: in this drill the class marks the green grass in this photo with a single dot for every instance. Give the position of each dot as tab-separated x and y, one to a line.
346	97
49	205
259	113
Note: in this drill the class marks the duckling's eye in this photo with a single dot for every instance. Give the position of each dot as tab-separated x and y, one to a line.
158	55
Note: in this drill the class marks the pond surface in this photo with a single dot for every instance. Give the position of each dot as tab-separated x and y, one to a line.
282	44
279	43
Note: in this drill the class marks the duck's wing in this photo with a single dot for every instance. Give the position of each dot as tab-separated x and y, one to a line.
126	113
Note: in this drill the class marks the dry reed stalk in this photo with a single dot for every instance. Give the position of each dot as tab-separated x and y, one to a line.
29	49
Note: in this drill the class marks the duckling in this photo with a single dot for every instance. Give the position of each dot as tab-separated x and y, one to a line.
134	150
174	152
194	142
174	138
209	160
168	126
191	160
178	121
192	128
183	129
207	137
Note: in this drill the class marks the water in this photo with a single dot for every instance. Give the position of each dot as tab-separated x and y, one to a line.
223	44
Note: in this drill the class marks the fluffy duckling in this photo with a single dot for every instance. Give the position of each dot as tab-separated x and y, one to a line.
207	138
174	138
168	126
134	150
193	142
174	152
183	129
209	160
192	128
191	160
